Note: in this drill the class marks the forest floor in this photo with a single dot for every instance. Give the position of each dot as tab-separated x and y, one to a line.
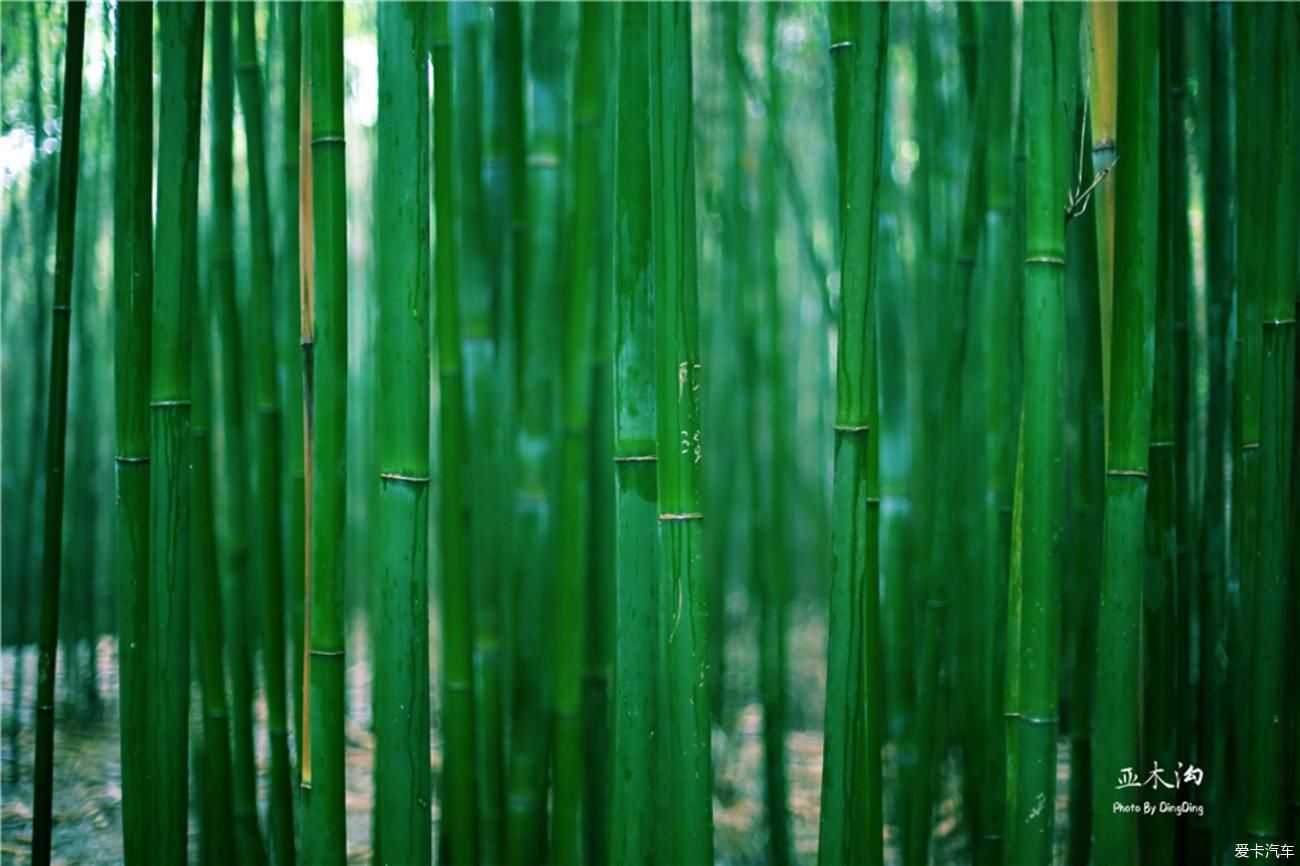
88	794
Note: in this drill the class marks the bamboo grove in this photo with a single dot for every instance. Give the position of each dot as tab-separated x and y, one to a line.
650	433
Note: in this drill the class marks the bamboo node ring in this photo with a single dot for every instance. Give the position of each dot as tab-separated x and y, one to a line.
1045	260
407	479
1126	473
852	428
637	458
688	515
328	653
123	458
328	139
162	404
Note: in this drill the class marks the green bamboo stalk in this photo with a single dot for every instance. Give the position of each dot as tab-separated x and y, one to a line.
248	840
535	210
774	562
684	798
1103	85
219	824
459	822
289	351
1118	695
1089	481
1254	56
401	614
998	203
1275	287
267	496
133	304
1213	567
575	395
175	280
1015	608
851	781
633	762
324	833
1160	623
56	432
40	207
482	397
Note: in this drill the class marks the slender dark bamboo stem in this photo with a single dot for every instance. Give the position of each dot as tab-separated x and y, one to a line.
56	433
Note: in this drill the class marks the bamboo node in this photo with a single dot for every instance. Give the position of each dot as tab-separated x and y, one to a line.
852	428
1277	323
163	404
122	458
1045	260
63	308
687	515
328	139
1163	443
636	458
1249	446
1127	473
838	46
327	653
406	479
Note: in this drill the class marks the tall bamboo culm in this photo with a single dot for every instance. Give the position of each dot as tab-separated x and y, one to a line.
459	836
401	613
1042	441
851	782
567	831
132	306
56	433
1118	692
175	283
634	766
230	340
1274	284
324	832
268	547
683	795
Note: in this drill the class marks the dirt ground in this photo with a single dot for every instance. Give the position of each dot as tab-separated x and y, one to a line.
88	794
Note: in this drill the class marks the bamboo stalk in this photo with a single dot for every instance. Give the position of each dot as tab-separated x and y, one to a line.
247	841
684	797
1103	86
634	764
175	279
851	786
459	797
218	800
289	352
1212	573
56	433
1118	694
1274	274
324	834
1160	625
268	548
132	304
475	236
401	711
575	423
